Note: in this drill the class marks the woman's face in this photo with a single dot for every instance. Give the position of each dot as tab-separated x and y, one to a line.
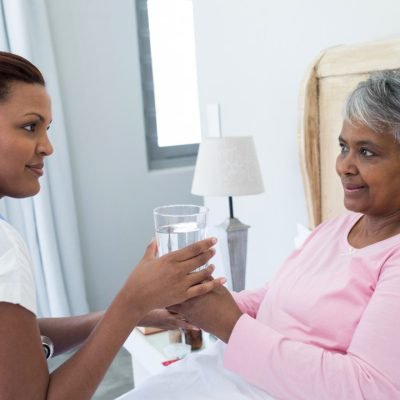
24	119
369	168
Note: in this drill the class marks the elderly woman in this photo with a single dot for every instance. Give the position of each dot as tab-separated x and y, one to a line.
25	115
327	326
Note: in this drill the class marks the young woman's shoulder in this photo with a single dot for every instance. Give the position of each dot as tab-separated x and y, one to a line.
17	283
9	237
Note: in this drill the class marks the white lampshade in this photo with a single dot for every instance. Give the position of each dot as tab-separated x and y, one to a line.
227	166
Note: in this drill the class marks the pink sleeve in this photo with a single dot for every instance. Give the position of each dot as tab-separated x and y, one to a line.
249	300
288	369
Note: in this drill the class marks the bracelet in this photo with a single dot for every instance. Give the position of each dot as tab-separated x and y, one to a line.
48	346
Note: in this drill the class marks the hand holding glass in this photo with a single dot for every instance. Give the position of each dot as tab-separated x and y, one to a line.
178	226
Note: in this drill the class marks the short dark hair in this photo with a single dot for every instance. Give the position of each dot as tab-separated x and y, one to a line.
14	68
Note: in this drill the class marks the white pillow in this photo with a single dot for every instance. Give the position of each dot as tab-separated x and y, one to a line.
301	236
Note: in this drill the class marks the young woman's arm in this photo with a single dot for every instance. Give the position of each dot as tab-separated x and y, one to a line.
69	332
153	284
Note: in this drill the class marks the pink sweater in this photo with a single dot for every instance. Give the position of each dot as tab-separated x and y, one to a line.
328	325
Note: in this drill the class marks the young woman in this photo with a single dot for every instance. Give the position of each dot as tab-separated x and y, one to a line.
25	115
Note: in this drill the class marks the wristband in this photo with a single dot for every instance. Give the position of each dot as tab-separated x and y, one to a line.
48	346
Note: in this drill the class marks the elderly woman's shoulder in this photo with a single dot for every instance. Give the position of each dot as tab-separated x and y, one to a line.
343	221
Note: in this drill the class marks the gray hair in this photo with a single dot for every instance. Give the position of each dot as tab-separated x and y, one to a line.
375	103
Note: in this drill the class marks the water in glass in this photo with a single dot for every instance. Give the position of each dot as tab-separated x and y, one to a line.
175	236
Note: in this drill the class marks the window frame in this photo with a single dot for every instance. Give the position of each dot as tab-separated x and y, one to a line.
158	157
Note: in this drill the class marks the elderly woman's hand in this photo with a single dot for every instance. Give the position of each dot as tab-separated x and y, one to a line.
215	312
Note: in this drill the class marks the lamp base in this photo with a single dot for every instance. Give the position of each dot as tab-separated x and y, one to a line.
236	233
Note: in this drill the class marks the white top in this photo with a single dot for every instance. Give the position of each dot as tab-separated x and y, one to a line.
17	284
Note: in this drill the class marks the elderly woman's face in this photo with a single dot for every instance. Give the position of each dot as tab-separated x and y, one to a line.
24	118
369	168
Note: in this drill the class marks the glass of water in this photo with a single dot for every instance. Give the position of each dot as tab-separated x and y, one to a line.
179	225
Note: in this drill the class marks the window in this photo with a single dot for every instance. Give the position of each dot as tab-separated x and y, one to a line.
169	81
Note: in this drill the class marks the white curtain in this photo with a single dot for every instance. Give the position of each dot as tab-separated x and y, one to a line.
47	221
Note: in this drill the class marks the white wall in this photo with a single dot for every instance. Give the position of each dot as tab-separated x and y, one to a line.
96	48
252	56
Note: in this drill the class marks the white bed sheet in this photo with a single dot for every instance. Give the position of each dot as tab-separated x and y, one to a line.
199	376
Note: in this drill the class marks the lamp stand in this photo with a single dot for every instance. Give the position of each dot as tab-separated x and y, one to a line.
236	233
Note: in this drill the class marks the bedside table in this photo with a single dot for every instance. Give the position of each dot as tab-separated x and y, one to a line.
147	352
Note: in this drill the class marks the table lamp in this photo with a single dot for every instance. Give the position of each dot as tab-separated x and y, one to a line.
228	166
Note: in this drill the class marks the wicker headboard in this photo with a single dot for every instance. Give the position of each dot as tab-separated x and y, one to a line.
328	82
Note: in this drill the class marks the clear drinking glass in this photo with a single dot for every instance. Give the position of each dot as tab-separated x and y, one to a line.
179	225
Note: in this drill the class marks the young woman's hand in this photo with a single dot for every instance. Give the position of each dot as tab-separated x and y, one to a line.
164	319
169	279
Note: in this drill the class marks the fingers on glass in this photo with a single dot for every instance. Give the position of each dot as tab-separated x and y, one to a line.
194	249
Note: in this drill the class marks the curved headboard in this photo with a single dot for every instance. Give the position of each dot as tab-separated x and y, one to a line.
330	79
